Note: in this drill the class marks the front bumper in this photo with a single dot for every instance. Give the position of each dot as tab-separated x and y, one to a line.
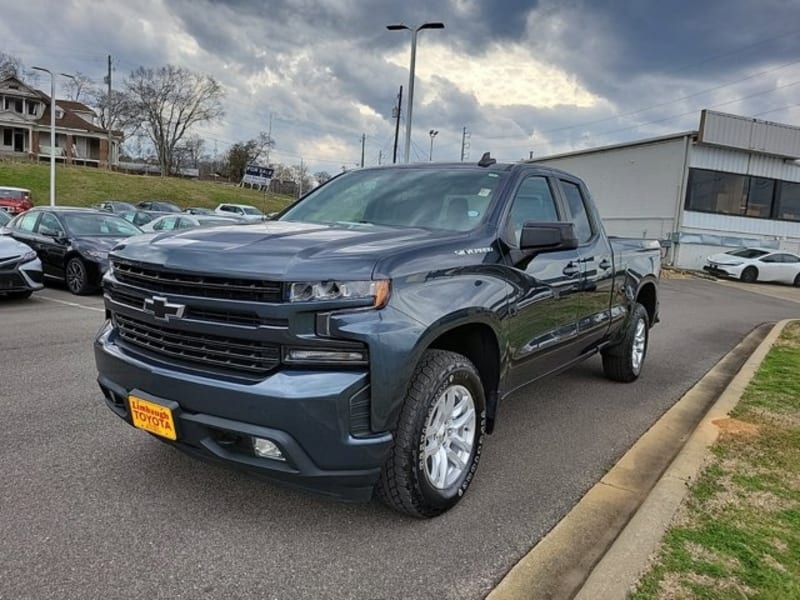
718	270
306	413
21	277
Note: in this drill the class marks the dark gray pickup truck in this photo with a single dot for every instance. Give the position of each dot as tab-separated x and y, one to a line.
364	341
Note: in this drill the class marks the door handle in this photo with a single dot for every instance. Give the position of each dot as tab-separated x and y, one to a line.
571	270
605	264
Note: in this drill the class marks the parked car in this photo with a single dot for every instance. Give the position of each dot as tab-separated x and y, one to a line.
20	269
171	222
365	341
15	200
115	206
251	213
142	217
72	243
756	264
198	210
4	217
158	205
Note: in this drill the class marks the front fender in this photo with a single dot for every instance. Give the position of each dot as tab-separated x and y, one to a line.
418	314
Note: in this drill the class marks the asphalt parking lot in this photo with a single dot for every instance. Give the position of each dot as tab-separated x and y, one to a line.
91	508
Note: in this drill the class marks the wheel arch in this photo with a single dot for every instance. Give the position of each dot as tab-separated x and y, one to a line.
477	341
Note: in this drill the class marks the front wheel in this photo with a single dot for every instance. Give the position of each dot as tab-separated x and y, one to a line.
439	437
797	280
624	360
749	275
76	277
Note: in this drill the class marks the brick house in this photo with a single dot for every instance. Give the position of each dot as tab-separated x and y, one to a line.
25	128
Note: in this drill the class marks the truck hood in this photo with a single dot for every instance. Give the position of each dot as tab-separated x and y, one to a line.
276	250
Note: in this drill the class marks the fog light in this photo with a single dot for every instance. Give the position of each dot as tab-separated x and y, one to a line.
297	355
267	449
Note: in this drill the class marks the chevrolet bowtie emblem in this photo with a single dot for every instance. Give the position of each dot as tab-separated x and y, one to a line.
161	309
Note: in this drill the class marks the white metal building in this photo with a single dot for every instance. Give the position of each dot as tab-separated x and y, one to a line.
734	182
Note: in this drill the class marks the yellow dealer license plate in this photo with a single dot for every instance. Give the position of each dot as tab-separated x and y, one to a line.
152	417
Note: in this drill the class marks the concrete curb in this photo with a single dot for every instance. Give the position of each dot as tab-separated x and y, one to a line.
559	565
629	556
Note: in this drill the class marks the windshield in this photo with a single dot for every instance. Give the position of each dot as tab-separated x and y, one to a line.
249	210
4	218
88	224
454	199
747	253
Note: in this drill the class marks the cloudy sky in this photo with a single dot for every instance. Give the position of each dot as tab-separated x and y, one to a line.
521	76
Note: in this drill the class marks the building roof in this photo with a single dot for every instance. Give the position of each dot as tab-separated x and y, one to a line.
74	106
644	142
69	120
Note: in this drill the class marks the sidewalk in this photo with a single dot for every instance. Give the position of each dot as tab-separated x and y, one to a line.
599	549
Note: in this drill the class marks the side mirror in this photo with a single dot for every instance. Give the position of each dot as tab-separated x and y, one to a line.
53	233
548	236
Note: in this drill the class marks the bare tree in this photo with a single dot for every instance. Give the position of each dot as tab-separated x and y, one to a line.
119	114
169	101
322	176
78	84
12	66
189	151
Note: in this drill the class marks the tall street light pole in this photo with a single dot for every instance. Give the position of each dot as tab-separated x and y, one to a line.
433	133
414	32
52	133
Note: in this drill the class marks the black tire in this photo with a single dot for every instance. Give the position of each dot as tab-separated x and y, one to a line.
404	484
618	360
797	280
749	275
76	276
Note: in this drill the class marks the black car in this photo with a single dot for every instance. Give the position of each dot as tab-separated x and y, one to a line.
158	205
72	243
114	206
142	217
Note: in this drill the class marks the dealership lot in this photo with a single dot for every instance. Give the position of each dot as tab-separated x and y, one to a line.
93	508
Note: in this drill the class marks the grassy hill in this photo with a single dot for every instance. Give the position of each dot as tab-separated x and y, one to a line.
83	186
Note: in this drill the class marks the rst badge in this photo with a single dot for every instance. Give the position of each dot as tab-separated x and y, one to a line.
161	309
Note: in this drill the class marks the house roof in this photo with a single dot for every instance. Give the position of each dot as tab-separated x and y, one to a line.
68	120
74	106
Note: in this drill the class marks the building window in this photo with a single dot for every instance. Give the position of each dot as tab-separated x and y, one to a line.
760	197
789	208
8	137
32	108
711	191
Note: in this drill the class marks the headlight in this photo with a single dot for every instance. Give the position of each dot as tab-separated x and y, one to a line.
28	256
98	255
308	291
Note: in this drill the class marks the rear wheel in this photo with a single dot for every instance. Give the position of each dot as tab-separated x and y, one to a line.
439	437
749	275
76	276
624	361
797	280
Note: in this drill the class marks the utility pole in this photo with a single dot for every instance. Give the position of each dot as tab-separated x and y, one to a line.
363	142
463	140
530	155
300	185
397	123
380	157
108	106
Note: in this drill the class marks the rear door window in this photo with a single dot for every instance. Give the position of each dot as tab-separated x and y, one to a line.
579	214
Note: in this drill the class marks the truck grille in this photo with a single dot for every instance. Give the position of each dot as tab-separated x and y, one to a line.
185	284
210	315
229	354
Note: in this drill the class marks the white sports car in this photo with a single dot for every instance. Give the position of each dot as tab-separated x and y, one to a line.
756	264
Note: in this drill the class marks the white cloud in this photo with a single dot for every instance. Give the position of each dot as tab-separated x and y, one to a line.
502	75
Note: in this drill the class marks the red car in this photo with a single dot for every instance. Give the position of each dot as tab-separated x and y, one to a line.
15	200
